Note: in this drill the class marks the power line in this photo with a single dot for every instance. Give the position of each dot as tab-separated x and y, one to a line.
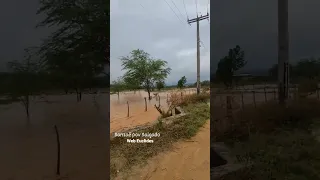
196	7
184	4
177	7
173	11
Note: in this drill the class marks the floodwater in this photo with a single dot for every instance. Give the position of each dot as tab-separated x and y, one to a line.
119	119
29	151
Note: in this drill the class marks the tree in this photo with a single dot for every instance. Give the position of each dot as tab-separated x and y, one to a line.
228	65
78	49
143	69
26	80
117	86
308	68
160	85
182	82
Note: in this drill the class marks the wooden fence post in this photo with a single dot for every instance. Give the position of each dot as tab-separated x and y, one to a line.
242	102
145	102
58	150
254	98
265	95
229	107
128	109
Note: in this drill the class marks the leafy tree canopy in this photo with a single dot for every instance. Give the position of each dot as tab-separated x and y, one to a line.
144	70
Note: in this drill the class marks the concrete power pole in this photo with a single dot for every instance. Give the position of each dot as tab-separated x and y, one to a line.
197	20
283	51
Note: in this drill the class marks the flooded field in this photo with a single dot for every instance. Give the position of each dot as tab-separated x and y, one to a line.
29	151
119	119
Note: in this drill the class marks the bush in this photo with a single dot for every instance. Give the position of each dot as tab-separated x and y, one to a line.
307	87
269	117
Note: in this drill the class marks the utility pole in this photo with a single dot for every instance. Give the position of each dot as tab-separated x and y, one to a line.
283	51
197	20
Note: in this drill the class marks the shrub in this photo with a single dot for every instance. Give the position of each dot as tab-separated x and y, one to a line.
269	117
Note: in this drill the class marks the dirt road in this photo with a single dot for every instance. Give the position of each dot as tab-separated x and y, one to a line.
188	160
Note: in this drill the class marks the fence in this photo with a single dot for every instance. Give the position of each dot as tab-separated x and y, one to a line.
239	99
133	109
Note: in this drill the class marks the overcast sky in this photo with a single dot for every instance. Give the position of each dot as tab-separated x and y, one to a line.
252	24
151	25
18	20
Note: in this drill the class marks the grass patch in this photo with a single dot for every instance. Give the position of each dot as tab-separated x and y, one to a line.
277	140
125	155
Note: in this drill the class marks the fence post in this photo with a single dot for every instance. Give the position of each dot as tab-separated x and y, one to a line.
159	100
229	107
242	102
145	103
128	109
254	98
265	95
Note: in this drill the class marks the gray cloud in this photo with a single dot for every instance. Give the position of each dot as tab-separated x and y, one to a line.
152	26
253	25
18	20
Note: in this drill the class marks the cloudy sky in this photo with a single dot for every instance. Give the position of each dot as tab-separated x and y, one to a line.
153	26
253	25
18	20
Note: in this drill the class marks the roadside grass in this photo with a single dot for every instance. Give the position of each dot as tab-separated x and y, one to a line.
126	155
277	141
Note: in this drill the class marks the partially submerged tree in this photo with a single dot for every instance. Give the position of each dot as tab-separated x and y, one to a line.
25	81
160	85
228	65
117	86
144	69
182	82
78	49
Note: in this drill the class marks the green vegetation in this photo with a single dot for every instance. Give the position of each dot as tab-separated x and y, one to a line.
182	82
144	70
278	141
160	85
125	155
228	65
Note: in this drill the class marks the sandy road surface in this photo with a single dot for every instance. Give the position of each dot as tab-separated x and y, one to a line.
189	160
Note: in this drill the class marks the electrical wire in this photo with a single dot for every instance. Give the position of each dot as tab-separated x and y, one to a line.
196	7
184	4
173	11
177	7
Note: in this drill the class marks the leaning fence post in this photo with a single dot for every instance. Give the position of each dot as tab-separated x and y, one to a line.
254	98
128	109
145	103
